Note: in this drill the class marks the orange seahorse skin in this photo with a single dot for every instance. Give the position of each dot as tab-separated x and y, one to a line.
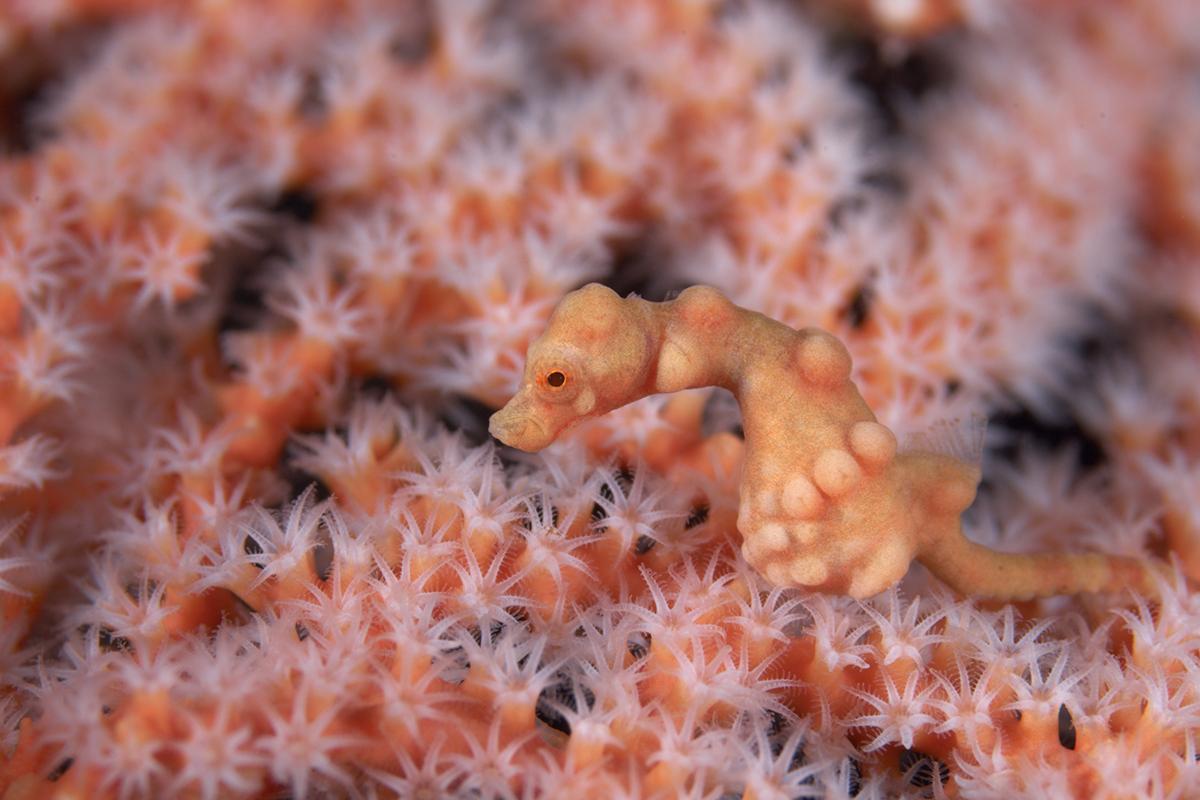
827	501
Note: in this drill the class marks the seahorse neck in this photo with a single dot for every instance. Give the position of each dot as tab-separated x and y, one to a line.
690	349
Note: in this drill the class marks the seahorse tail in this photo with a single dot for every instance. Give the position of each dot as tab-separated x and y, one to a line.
973	569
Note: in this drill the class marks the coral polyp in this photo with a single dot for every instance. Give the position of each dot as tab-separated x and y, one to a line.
267	268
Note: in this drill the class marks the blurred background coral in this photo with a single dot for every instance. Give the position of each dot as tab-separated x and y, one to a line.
267	266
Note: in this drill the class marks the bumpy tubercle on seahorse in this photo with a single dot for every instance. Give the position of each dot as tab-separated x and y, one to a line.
827	500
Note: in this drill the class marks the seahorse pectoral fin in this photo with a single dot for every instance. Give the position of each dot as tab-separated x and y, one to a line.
585	402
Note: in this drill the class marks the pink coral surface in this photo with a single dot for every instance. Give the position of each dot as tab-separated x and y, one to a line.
267	266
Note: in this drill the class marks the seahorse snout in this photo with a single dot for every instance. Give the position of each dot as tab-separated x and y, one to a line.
516	425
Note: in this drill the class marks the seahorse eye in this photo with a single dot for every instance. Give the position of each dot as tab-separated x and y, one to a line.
555	379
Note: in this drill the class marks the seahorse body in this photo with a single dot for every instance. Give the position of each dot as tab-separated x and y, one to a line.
827	501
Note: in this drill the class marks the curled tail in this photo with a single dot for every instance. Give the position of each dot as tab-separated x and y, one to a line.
973	569
945	477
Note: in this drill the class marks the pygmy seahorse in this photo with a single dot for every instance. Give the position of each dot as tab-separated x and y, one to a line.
827	500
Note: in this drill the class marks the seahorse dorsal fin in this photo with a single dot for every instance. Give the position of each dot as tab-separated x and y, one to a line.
962	438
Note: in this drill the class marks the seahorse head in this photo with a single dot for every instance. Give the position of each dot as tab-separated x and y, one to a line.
594	356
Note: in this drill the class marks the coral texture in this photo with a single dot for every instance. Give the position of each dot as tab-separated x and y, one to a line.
266	267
